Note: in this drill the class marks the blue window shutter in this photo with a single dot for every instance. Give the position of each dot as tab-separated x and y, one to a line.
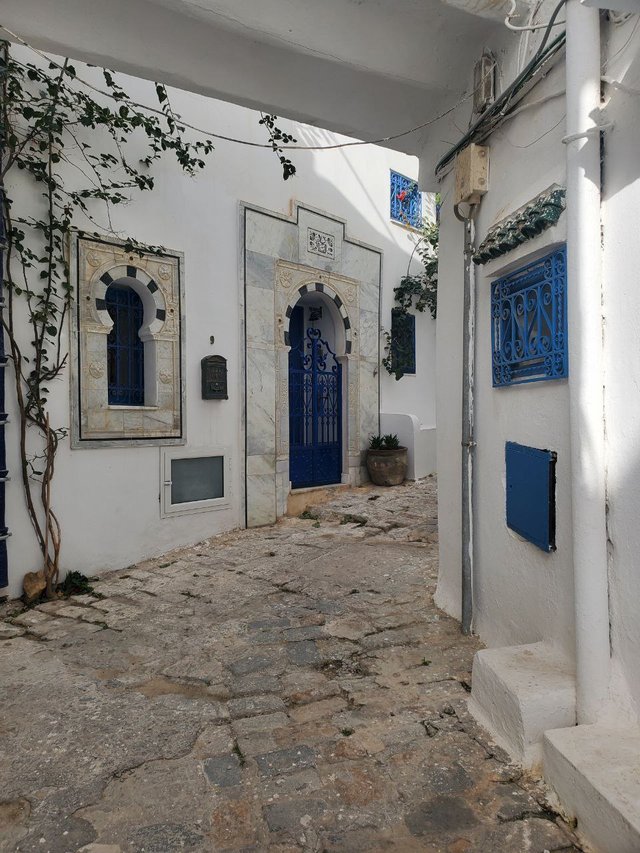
403	341
531	485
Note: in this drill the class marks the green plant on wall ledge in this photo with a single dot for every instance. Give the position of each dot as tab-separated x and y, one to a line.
418	292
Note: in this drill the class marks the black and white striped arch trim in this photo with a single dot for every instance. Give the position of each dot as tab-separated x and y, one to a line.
127	271
318	287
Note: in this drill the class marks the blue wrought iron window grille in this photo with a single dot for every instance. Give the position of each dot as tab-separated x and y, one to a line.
125	350
403	342
529	322
405	200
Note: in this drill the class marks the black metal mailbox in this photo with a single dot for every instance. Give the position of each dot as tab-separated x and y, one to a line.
214	377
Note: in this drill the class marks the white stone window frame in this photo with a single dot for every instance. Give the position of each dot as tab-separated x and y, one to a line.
167	455
158	278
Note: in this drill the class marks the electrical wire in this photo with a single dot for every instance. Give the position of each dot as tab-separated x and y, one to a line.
246	142
528	27
497	111
523	45
625	45
538	138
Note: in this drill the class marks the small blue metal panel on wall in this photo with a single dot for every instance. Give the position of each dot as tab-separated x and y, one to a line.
531	498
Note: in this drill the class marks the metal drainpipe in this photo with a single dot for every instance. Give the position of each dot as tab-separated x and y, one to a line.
468	432
4	474
586	403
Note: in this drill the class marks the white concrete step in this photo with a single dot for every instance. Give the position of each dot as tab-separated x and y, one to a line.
518	692
595	772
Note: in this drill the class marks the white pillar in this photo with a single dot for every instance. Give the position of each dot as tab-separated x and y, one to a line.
586	362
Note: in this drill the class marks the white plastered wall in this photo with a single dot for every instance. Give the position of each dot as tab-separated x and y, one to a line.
621	262
521	594
108	498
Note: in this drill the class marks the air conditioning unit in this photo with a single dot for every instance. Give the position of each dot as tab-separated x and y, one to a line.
614	5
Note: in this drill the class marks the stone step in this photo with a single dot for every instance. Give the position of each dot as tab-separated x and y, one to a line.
595	772
518	692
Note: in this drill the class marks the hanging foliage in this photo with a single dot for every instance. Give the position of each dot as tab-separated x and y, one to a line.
417	292
83	149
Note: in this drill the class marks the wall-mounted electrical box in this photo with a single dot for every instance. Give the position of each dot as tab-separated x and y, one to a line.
214	377
484	76
472	174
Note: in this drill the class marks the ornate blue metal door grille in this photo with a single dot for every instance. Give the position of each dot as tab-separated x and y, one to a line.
125	350
405	200
529	322
315	413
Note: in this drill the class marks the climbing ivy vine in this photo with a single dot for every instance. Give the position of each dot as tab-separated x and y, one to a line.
74	149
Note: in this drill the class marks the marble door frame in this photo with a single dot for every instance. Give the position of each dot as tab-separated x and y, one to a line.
283	259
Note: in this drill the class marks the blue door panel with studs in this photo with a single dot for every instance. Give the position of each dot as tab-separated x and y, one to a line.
531	486
315	408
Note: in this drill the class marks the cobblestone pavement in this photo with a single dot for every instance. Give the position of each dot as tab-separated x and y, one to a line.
283	689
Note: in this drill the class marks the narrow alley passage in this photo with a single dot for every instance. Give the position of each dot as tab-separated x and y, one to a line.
282	689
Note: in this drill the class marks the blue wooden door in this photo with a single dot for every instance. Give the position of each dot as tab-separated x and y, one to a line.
315	409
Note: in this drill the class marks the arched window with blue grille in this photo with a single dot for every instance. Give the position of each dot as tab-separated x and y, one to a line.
125	350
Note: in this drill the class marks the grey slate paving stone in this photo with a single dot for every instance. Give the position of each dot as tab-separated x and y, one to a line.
254	685
448	779
251	706
303	653
250	664
263	723
293	816
269	622
223	770
8	632
162	837
143	710
515	803
286	760
268	637
440	815
533	835
256	743
309	632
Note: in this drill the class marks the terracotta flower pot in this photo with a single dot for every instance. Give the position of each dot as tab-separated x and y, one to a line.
387	467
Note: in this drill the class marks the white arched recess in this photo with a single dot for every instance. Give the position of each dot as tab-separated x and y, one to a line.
273	286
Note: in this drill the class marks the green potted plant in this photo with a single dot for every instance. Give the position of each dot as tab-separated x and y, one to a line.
386	460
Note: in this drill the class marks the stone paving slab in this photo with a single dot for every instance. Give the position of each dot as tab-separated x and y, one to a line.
286	689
